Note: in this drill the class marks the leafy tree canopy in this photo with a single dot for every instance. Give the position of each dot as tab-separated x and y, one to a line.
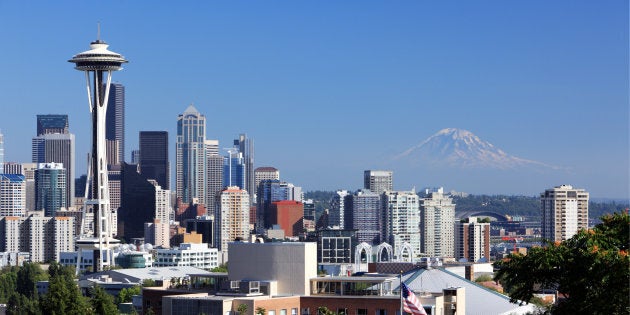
590	269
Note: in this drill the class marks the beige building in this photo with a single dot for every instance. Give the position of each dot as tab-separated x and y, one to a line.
232	218
157	233
564	211
290	265
44	238
264	173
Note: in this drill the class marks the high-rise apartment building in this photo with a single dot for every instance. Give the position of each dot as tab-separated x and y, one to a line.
191	156
115	124
157	233
114	182
154	157
245	145
233	217
234	169
56	148
214	175
564	211
364	215
472	240
43	237
338	208
50	188
163	210
12	195
378	181
401	223
437	224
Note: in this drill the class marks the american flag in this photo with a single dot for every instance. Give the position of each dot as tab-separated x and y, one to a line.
411	304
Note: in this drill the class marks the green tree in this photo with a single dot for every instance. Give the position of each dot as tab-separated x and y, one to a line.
125	295
8	283
590	269
64	296
102	303
27	277
148	283
220	268
261	311
19	304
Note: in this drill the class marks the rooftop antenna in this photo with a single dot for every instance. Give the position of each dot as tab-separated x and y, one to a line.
98	31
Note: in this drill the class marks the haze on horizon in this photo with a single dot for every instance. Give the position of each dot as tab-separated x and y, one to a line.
330	89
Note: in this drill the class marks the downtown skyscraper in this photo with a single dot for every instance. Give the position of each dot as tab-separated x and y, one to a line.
55	144
154	162
191	156
115	124
245	145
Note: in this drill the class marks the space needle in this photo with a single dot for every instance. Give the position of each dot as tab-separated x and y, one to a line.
98	63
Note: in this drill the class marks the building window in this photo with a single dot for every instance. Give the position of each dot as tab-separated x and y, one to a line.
362	311
294	311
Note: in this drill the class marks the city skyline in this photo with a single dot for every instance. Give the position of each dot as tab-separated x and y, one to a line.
330	90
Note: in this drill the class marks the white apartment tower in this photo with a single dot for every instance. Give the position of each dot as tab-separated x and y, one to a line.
162	203
564	211
437	224
12	195
378	181
232	218
401	227
337	211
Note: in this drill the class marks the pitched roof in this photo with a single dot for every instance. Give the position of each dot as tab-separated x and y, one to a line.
479	300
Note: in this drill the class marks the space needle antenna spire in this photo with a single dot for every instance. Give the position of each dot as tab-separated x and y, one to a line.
98	63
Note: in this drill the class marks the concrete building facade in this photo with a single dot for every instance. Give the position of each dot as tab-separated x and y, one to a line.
437	224
401	227
472	240
233	217
12	195
378	181
564	211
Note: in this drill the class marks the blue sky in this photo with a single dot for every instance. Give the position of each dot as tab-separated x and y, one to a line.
328	89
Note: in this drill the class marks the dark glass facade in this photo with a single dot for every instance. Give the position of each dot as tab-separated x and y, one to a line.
154	163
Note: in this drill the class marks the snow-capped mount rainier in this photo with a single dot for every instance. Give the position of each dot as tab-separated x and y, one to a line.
460	148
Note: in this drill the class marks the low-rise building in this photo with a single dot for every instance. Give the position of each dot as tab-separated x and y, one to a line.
188	254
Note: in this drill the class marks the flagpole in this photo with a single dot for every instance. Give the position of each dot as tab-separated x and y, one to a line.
401	295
